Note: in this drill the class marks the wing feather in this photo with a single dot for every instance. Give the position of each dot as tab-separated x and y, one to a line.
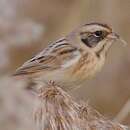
55	56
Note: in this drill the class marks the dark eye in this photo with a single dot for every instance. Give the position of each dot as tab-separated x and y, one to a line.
98	33
92	39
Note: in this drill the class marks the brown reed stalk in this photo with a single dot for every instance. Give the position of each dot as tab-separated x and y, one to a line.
58	111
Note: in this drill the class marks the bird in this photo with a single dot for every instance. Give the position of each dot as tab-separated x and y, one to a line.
73	59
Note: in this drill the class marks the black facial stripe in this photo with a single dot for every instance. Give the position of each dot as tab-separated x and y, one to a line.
85	41
91	39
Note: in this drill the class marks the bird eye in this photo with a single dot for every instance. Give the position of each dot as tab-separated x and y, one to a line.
98	33
92	39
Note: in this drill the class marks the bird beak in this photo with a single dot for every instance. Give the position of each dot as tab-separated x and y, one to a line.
115	36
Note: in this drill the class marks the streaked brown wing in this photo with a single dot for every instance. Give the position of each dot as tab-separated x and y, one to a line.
51	58
33	66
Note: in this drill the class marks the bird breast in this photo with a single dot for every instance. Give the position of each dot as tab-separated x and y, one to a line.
87	66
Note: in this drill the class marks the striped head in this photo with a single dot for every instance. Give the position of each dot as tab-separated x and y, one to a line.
96	37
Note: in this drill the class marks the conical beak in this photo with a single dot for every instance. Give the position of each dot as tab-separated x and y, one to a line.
115	36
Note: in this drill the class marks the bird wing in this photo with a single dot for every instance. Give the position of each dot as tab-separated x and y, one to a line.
59	54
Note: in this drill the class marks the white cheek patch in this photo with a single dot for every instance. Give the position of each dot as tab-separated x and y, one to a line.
76	56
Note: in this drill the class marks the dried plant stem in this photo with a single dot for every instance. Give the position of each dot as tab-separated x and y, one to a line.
124	112
58	111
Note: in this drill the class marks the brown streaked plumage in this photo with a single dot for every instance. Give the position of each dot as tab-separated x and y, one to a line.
72	59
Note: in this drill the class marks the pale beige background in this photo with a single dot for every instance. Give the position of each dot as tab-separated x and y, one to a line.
27	26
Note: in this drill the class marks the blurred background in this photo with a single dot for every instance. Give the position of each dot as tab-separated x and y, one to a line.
27	26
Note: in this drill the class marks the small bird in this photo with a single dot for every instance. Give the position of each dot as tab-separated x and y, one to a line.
72	59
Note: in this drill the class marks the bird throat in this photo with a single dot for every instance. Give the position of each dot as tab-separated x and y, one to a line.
98	53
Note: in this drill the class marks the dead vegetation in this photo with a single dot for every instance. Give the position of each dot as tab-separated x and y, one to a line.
27	26
58	111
